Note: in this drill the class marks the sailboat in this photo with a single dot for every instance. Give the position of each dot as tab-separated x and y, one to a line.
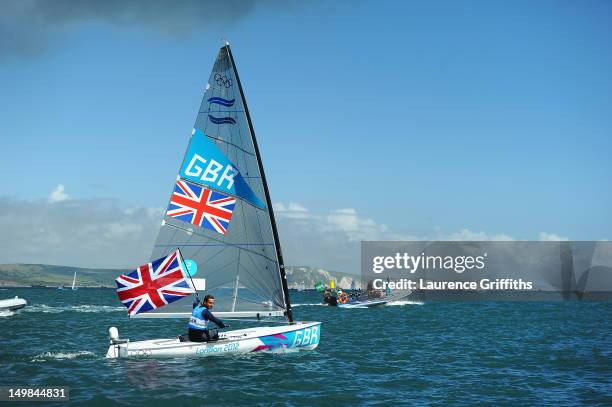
221	221
12	304
74	282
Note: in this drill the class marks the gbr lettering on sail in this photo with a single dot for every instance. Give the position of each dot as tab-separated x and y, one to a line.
207	165
211	172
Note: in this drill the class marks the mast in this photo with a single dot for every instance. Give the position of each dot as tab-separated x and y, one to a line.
279	253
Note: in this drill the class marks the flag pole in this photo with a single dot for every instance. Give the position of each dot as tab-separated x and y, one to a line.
189	274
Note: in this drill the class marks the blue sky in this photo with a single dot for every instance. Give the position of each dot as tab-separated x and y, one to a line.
427	119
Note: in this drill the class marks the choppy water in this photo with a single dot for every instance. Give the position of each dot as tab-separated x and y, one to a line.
498	353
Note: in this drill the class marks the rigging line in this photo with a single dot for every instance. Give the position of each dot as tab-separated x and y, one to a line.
209	276
212	238
256	283
202	245
255	266
195	291
257	295
229	143
219	244
273	264
221	111
220	269
197	253
260	297
265	288
246	235
221	285
265	320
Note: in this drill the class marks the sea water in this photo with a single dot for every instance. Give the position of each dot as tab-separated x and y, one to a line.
409	353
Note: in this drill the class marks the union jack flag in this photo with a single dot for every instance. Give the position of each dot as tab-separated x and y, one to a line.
154	285
201	206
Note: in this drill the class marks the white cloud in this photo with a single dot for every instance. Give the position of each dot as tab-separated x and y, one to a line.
466	234
58	194
76	232
293	210
102	233
332	239
551	237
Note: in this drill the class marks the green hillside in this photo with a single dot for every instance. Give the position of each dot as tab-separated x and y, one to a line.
53	276
48	275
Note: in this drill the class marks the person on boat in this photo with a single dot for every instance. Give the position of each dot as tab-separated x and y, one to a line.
373	292
200	318
329	299
342	297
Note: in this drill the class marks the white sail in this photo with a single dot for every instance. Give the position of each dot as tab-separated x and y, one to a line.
74	281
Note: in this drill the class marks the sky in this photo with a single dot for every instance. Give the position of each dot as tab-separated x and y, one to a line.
479	120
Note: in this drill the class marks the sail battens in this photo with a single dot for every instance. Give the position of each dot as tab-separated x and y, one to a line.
226	244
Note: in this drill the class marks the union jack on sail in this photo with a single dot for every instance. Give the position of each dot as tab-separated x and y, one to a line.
201	206
154	285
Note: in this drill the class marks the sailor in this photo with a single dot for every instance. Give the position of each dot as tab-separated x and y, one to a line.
329	299
200	317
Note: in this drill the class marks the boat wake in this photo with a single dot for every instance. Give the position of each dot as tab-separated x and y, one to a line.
47	356
403	302
73	308
6	313
314	304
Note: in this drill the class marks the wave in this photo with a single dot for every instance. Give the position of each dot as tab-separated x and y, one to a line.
221	101
403	302
221	120
6	313
314	304
73	308
43	357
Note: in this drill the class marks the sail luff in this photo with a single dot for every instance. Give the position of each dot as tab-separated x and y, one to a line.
279	253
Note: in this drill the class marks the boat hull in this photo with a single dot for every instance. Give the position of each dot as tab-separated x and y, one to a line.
12	304
362	304
376	302
299	336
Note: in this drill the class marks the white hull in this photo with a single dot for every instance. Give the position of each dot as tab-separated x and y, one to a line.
300	335
12	304
362	304
376	302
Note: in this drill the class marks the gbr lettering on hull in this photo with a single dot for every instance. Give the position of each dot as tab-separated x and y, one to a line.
306	337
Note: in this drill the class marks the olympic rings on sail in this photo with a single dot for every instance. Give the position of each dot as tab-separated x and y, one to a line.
342	297
223	80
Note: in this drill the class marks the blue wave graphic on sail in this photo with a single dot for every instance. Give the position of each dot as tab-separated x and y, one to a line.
221	101
221	120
